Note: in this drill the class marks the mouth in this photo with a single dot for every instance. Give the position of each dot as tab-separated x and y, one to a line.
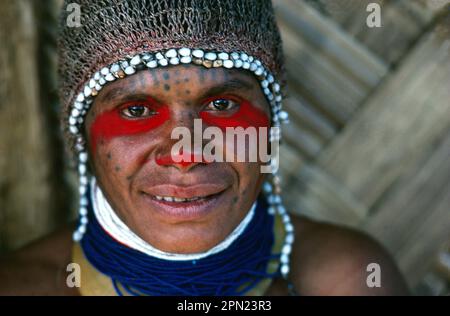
185	203
174	199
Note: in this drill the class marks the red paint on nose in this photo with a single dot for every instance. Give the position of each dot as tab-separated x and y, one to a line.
180	159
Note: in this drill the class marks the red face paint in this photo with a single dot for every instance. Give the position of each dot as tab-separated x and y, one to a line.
247	115
183	160
112	123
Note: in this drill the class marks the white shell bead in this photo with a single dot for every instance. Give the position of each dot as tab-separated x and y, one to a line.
83	180
72	120
184	52
259	71
163	62
83	211
235	55
87	91
110	77
76	236
267	187
186	60
283	115
82	169
83	201
78	105
102	81
228	64
264	83
174	61
238	63
171	53
104	71
146	57
289	228
73	129
75	112
97	76
276	87
198	53
246	65
286	249
289	238
135	60
92	83
152	64
84	220
211	56
80	97
115	68
284	269
129	70
159	56
82	189
223	56
83	157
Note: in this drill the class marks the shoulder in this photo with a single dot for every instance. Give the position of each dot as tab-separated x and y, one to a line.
333	260
39	268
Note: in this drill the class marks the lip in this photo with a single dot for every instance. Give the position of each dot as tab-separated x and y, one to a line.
185	192
211	197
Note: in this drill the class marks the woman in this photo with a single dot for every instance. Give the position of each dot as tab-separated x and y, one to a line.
160	219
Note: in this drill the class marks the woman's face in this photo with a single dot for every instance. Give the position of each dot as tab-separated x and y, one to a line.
183	207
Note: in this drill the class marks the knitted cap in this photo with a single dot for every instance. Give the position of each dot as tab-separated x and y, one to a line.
112	30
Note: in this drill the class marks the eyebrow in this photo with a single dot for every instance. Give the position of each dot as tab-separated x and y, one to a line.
220	88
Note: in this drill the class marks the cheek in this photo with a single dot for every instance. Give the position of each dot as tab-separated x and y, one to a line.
110	125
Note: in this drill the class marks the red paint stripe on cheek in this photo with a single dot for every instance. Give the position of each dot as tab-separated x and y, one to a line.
248	115
112	124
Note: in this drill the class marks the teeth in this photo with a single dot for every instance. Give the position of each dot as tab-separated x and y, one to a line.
174	199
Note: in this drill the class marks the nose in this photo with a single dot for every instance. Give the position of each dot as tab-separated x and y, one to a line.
183	161
180	150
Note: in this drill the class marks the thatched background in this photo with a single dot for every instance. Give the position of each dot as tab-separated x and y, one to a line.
368	147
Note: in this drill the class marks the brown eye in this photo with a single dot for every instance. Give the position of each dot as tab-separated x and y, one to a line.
222	105
137	111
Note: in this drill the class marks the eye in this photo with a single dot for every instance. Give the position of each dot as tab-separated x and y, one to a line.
222	105
137	111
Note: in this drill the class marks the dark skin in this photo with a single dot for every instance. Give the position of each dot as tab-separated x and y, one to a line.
326	260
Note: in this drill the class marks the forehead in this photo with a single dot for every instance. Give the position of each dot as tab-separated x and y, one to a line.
187	80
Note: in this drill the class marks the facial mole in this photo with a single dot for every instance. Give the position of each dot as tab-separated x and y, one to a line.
166	87
187	91
108	156
117	168
166	76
